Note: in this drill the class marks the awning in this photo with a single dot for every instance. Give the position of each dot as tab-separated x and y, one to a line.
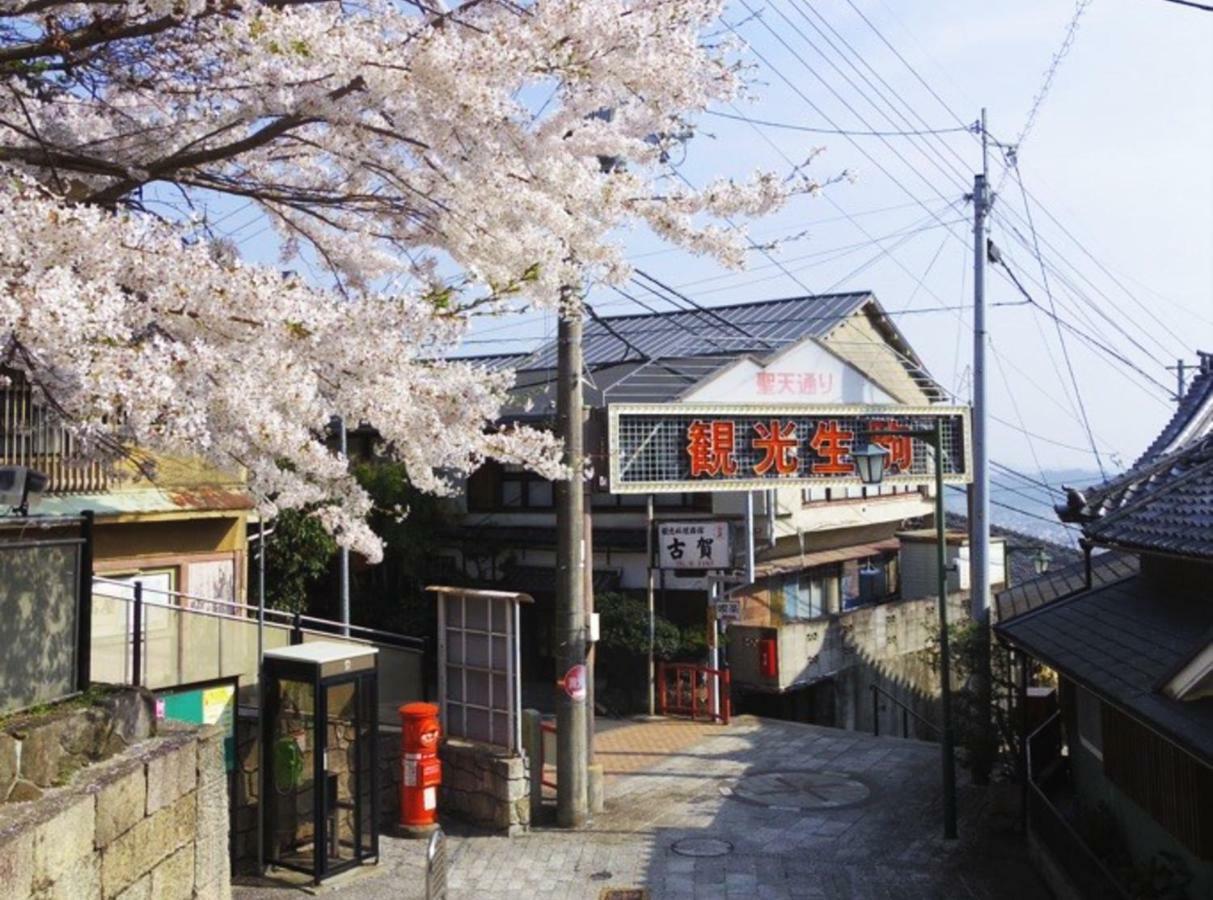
800	561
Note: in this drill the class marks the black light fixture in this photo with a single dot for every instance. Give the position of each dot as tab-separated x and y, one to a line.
21	486
870	462
1040	560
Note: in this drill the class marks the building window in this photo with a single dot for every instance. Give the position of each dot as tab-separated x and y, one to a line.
806	594
1088	712
494	486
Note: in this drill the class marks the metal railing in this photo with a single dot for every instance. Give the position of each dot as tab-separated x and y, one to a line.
1067	847
906	713
693	691
157	638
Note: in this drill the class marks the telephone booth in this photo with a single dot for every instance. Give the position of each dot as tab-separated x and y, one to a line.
319	755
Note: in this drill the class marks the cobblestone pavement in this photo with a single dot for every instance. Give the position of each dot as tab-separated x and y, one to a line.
793	810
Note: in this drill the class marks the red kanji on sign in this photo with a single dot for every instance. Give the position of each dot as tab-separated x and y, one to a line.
901	448
833	444
710	447
778	443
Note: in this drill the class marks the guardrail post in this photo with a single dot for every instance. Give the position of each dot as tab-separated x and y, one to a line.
532	744
297	628
661	688
137	637
875	712
84	605
726	698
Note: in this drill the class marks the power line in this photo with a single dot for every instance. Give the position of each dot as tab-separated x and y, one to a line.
1067	42
1192	4
1065	349
1022	512
788	126
951	151
1081	334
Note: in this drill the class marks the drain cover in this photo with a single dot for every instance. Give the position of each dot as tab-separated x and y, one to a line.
624	894
801	789
702	846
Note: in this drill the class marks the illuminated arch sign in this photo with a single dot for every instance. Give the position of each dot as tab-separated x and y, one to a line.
674	447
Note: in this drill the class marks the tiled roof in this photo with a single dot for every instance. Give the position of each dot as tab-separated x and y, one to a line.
1193	416
1035	591
716	331
1121	641
657	357
1164	505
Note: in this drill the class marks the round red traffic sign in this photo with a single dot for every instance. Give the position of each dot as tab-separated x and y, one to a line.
574	682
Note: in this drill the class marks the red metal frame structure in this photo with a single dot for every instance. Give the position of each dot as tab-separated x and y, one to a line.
690	692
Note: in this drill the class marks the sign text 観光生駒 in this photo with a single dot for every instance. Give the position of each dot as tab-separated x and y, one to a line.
657	448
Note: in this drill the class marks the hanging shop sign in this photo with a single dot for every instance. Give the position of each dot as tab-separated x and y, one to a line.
693	545
675	447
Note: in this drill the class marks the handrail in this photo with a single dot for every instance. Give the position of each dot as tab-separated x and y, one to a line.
875	688
1109	880
405	640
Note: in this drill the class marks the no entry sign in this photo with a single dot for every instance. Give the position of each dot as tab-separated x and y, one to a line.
574	683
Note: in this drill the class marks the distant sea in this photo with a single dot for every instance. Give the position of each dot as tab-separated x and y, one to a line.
1028	508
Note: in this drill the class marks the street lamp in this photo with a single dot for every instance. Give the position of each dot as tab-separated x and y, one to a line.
1040	560
21	486
870	464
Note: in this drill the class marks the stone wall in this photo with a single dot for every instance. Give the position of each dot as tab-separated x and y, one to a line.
248	761
485	786
150	821
42	751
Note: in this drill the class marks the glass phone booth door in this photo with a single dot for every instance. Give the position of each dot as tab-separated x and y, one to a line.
320	754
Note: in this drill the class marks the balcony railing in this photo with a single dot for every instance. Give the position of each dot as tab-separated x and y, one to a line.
30	435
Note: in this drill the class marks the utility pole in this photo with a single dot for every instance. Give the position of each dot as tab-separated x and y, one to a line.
1181	386
979	522
345	553
979	510
572	798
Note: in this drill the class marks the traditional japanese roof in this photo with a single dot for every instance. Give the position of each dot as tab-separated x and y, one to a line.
1193	416
1034	591
1163	505
1123	641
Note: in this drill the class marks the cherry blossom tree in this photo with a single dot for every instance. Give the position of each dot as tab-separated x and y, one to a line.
434	162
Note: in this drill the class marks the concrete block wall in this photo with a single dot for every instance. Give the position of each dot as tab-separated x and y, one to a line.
149	822
485	786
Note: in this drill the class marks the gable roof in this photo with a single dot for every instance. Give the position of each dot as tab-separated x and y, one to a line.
657	357
730	331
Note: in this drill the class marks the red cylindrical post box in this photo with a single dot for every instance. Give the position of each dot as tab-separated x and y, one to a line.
422	770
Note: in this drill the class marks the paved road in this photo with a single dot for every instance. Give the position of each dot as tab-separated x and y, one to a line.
760	809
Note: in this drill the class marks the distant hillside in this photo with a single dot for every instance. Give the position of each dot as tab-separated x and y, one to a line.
1028	507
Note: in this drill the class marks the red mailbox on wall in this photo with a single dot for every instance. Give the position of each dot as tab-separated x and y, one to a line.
422	775
768	658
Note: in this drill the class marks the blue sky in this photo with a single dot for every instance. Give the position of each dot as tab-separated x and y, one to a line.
1118	156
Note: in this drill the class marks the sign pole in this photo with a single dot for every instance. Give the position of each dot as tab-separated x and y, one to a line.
649	525
714	642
